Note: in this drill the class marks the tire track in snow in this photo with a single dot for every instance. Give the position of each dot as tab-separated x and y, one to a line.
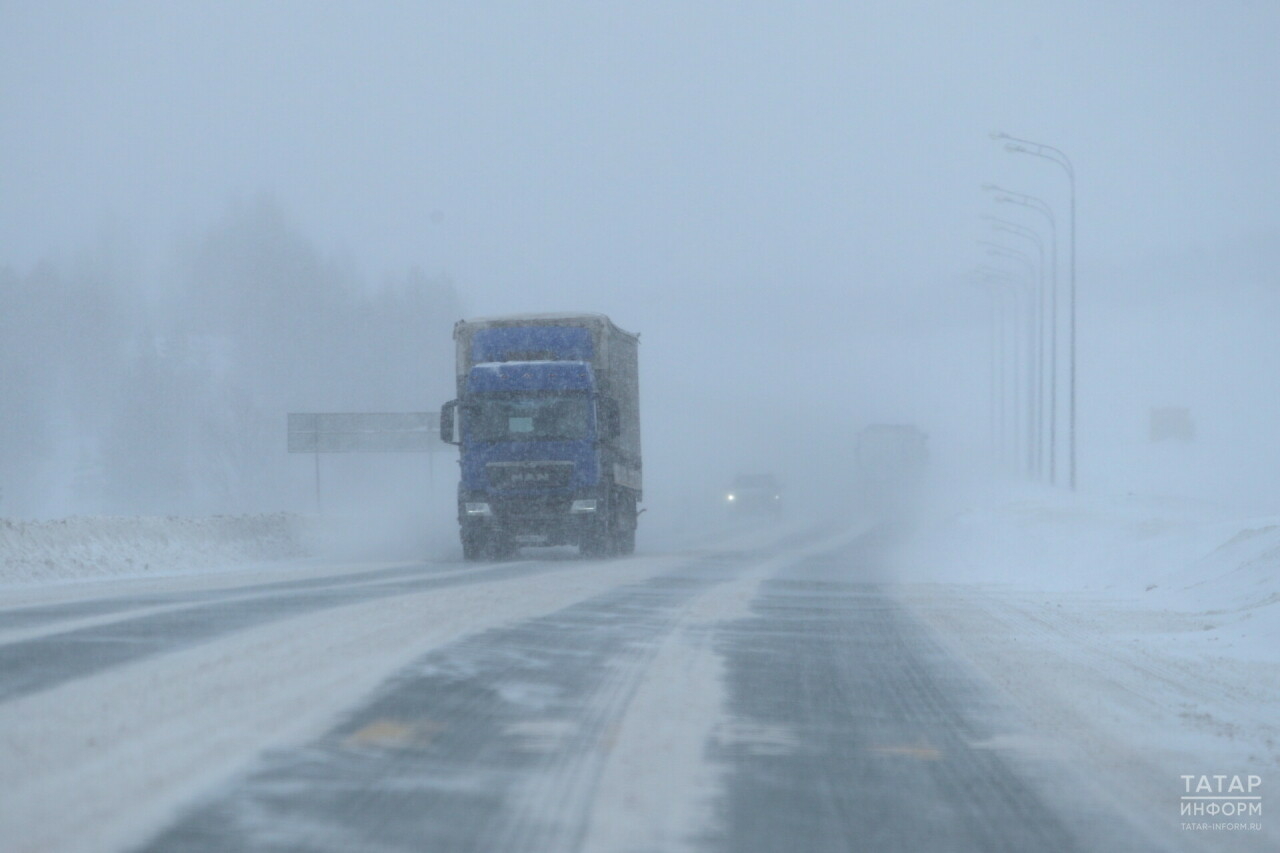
501	742
28	666
878	736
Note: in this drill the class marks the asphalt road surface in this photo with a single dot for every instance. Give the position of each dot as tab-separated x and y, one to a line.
774	694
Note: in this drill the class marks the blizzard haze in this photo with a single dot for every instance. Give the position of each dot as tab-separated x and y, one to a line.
214	214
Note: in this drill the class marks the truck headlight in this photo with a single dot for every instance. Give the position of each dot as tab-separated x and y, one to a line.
477	509
584	505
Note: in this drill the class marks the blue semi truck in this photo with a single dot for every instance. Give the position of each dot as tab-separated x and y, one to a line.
547	420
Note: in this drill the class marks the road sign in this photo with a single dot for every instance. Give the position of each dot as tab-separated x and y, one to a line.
365	432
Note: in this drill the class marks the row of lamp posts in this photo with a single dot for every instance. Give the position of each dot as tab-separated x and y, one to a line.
1032	410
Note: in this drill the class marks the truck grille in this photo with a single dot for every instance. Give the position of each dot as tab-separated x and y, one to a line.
529	475
531	506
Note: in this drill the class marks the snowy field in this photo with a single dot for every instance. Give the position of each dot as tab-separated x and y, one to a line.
1215	575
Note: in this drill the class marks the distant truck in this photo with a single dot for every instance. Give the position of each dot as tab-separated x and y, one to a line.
547	419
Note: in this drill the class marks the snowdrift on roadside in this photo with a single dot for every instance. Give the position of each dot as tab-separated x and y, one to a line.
94	547
1120	544
1158	554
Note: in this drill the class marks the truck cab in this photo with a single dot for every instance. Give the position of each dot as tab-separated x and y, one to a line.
546	420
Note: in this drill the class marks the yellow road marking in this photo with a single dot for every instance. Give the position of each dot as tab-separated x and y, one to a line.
395	734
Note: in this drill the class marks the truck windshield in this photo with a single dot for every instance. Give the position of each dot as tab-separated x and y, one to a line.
552	417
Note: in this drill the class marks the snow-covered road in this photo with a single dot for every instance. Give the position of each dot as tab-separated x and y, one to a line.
784	688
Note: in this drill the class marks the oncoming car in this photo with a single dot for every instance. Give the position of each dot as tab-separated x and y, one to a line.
754	493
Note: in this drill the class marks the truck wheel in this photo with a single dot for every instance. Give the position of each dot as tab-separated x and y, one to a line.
594	547
624	523
625	541
502	547
597	542
473	548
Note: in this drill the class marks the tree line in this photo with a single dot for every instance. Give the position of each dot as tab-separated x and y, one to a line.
124	396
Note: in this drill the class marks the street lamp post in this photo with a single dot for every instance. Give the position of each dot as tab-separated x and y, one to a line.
1033	297
1040	206
1029	234
996	407
1010	415
1057	155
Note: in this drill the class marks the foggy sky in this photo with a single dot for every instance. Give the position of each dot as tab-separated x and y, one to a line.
820	141
792	188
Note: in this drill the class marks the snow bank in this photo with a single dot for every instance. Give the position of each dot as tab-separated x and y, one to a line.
97	547
1157	554
1070	542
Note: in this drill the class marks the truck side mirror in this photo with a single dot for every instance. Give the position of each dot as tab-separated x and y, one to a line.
447	416
610	418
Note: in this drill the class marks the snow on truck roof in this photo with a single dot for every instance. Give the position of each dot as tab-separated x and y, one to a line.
543	319
552	315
